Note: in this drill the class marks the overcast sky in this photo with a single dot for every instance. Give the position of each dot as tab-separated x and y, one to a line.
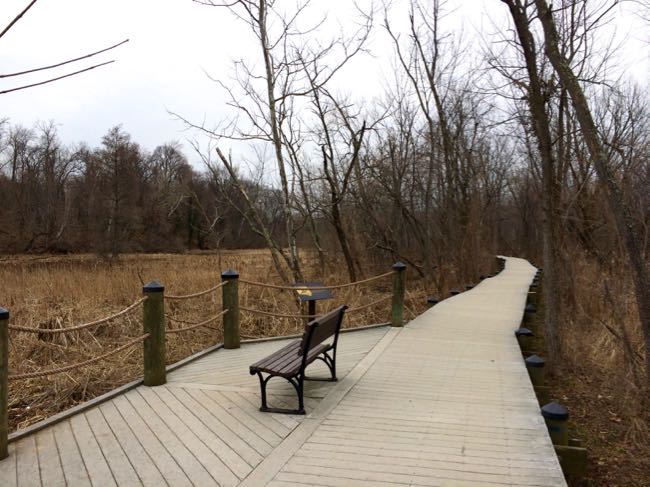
172	44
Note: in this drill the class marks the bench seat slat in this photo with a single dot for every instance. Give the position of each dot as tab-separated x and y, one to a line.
290	364
277	355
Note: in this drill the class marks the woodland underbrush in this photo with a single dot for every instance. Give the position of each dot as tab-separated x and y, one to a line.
601	379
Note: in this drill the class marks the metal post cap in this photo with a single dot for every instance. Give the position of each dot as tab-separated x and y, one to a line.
399	266
523	332
535	361
153	287
431	300
453	292
4	313
530	308
553	410
230	274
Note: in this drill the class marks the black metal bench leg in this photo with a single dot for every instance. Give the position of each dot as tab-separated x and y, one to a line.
263	383
301	392
298	385
331	364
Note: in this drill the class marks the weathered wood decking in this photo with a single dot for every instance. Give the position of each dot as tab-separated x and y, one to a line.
444	401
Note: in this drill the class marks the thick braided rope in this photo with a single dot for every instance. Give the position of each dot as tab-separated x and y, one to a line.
359	308
196	295
78	327
317	288
268	313
43	373
194	325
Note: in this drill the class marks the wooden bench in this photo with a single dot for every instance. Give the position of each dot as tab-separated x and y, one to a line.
291	361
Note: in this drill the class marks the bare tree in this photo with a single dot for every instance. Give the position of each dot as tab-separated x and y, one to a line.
266	101
594	140
537	99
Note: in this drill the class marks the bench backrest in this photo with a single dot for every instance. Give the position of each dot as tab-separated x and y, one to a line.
322	328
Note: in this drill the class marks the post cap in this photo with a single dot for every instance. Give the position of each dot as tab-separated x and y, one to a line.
4	313
153	287
523	332
535	361
553	410
530	308
454	292
229	274
399	266
432	300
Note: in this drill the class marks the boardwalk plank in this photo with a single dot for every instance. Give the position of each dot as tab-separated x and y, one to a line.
194	470
264	427
228	456
8	467
215	424
48	459
28	473
147	471
98	470
211	463
245	430
168	466
74	468
118	462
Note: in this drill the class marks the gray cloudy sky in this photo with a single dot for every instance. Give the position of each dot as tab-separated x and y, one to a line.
172	43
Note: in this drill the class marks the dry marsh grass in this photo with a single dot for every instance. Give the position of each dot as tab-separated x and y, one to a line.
62	291
602	379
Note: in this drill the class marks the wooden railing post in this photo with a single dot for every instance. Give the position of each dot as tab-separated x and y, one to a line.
4	382
230	300
153	320
399	286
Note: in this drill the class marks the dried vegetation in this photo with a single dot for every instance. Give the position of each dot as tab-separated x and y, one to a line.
59	292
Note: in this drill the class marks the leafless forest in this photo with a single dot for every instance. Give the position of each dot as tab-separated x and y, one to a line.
529	144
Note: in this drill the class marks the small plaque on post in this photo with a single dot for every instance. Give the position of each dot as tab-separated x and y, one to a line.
307	294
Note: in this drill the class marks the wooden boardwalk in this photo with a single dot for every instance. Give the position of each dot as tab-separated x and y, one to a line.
444	401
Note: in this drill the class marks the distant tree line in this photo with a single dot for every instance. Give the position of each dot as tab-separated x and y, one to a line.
110	199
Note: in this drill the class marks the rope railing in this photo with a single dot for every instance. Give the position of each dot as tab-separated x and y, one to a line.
49	331
194	325
269	313
60	370
369	305
195	295
315	288
286	315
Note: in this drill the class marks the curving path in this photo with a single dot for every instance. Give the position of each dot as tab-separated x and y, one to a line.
445	400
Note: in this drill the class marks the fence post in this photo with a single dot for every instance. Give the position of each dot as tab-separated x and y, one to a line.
399	286
153	321
230	300
4	382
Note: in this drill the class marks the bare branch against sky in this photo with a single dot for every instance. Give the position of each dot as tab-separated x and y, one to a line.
175	42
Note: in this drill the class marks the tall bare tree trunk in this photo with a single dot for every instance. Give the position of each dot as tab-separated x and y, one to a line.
541	124
621	211
277	143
